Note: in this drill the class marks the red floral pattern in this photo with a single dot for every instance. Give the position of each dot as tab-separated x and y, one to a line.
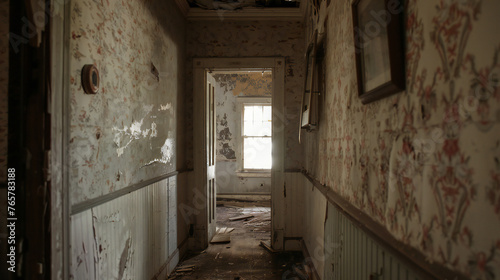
424	163
127	132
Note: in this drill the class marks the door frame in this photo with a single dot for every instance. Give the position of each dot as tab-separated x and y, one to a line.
52	53
200	67
59	158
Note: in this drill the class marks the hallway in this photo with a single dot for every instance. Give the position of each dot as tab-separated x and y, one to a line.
377	122
242	258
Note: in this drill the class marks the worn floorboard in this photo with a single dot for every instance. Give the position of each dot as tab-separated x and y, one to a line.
242	258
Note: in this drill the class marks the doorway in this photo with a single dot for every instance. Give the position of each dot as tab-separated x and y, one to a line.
243	153
257	108
243	131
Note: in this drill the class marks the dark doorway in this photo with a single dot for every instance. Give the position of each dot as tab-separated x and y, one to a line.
29	140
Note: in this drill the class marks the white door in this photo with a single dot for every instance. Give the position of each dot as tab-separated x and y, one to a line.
204	170
210	148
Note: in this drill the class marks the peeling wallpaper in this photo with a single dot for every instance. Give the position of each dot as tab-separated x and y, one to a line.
127	132
425	162
4	84
228	116
248	39
228	87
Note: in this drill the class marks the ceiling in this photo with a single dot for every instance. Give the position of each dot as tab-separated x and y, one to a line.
233	10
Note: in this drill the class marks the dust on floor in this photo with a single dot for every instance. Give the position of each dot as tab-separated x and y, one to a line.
242	258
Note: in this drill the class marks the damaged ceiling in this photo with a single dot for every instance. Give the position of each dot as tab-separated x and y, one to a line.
243	9
240	4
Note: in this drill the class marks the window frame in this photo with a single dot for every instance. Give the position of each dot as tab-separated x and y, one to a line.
251	101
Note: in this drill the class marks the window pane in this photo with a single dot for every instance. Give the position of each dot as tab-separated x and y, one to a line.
257	120
257	129
264	129
258	112
250	129
267	113
248	113
257	153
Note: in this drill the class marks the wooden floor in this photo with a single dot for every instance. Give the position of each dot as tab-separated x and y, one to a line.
243	258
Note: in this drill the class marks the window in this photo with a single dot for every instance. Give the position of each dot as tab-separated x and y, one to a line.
257	141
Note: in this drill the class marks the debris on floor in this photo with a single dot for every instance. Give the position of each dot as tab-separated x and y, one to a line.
267	247
244	258
220	239
222	235
302	275
242	217
181	271
224	230
243	204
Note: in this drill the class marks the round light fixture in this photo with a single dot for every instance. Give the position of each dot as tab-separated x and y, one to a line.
90	79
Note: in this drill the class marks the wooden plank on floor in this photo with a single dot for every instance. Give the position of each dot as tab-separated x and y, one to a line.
186	267
221	238
267	247
242	217
221	230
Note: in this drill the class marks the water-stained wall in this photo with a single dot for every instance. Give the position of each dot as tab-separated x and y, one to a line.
253	39
228	88
425	162
124	134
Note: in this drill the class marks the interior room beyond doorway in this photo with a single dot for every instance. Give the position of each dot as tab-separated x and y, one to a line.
243	132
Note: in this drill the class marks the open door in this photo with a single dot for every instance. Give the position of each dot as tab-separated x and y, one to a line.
203	225
210	142
203	191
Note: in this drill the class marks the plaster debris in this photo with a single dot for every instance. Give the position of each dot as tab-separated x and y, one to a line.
165	107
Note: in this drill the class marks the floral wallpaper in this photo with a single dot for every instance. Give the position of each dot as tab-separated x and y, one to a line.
425	162
248	39
4	83
127	132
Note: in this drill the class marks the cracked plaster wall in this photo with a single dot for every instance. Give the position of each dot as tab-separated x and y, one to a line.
125	134
228	87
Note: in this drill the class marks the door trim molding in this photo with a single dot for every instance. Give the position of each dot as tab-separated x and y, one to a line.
59	163
200	67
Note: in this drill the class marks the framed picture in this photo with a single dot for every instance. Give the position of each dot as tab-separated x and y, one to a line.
378	41
308	119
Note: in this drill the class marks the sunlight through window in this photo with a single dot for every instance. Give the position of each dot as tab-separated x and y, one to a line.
257	131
